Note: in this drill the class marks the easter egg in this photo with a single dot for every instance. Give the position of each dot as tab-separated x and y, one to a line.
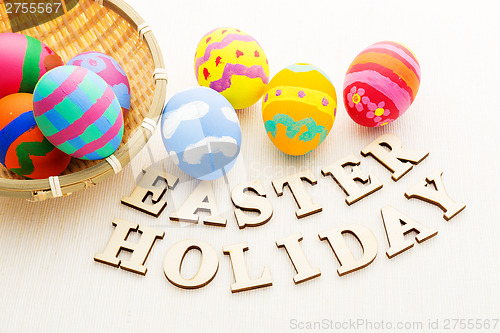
23	61
108	69
201	133
234	64
299	108
23	148
78	112
381	84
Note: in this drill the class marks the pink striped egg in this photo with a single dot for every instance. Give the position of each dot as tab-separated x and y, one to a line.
381	84
110	70
78	112
23	61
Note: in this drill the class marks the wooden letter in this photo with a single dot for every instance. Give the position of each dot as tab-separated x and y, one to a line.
396	158
348	263
304	270
349	181
147	186
242	281
201	199
245	202
294	182
436	196
397	226
140	250
173	261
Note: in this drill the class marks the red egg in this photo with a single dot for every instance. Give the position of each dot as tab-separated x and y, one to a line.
381	84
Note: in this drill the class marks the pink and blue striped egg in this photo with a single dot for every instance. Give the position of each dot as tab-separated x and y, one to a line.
110	70
78	112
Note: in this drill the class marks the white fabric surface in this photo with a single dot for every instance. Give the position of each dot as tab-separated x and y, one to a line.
50	282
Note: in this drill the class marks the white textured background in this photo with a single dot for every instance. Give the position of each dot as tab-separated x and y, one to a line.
50	282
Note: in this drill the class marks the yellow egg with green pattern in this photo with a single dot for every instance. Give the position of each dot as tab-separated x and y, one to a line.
299	108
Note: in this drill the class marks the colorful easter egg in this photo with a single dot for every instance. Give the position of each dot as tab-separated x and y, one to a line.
108	69
23	61
234	64
299	108
201	133
78	112
23	148
381	84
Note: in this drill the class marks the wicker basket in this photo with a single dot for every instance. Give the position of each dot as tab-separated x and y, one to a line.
112	27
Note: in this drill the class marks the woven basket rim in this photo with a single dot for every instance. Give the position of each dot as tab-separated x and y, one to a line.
40	189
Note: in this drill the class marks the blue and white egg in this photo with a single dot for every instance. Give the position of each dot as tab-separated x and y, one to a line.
201	133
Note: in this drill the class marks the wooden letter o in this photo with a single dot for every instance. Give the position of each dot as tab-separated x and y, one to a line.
206	272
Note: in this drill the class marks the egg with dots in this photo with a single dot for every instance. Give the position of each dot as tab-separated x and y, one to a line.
23	61
78	112
234	64
23	148
299	108
381	84
108	69
201	133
